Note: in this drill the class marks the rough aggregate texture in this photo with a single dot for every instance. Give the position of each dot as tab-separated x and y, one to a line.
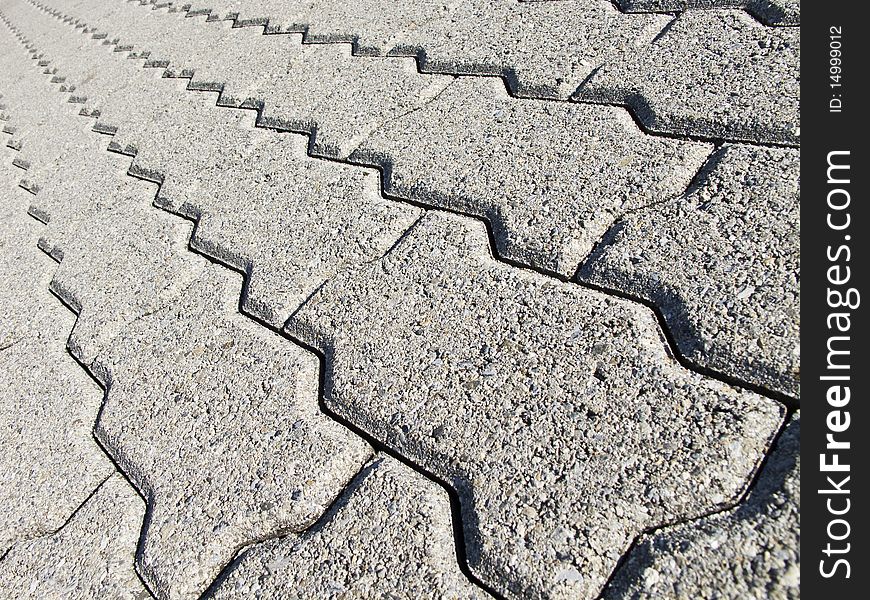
564	172
90	557
545	48
718	74
548	405
244	450
49	462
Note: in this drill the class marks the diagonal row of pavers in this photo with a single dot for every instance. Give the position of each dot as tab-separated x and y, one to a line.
565	174
444	262
716	74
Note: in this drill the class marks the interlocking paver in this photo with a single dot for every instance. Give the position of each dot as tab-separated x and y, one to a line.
771	12
226	441
564	172
546	214
311	218
306	219
390	531
752	551
554	411
723	266
90	557
718	74
82	61
114	275
39	107
111	275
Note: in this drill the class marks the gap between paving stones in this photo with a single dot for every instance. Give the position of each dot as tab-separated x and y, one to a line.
385	168
636	106
324	370
75	311
75	511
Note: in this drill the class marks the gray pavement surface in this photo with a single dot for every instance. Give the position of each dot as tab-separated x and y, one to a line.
390	530
466	301
90	557
470	366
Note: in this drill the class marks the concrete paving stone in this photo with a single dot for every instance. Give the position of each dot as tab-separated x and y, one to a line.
303	220
320	88
723	266
19	258
284	16
90	557
88	11
550	177
546	48
554	411
751	551
143	28
114	274
49	462
324	21
226	441
33	107
390	530
717	74
770	12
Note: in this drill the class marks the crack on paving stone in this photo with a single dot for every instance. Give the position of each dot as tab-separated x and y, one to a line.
751	485
330	513
72	515
695	182
318	525
674	347
324	369
410	111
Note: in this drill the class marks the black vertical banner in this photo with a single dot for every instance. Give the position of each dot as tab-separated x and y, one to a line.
834	339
